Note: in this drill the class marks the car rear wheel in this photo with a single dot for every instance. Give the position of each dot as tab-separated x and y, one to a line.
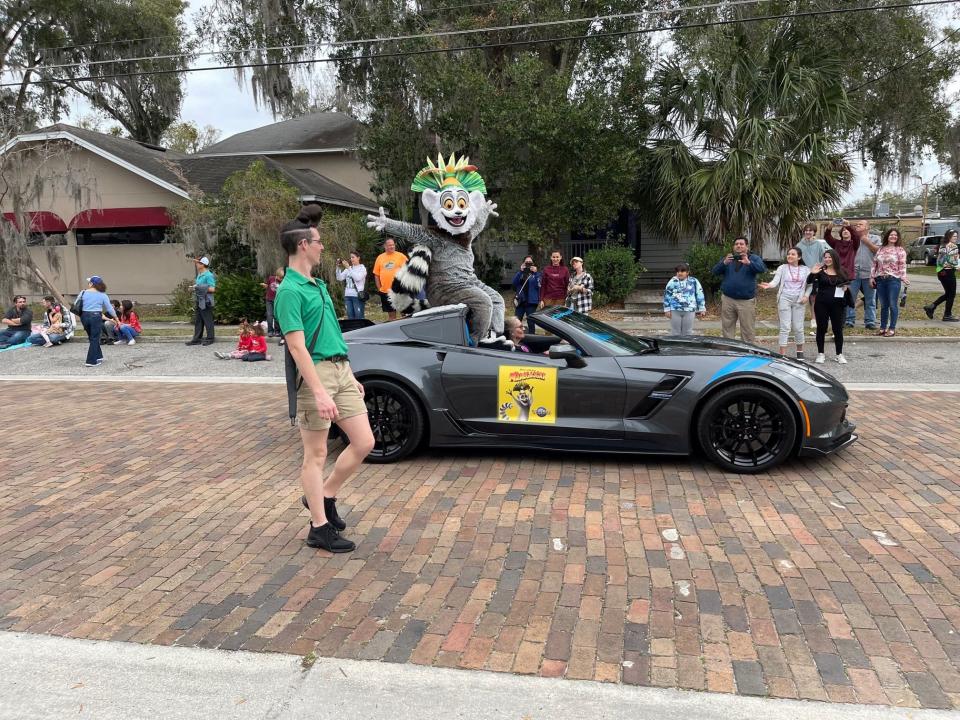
746	428
395	418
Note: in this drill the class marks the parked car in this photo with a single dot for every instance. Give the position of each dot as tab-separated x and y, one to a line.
924	249
587	386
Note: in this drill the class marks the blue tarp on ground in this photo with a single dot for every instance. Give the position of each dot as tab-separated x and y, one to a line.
14	347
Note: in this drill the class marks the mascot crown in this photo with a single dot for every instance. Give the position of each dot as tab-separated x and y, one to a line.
455	173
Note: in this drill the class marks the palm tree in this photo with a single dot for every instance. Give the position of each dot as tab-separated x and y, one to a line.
754	143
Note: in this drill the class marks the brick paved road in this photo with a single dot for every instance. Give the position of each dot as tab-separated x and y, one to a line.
179	524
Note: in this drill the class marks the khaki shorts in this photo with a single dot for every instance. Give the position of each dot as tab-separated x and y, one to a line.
337	379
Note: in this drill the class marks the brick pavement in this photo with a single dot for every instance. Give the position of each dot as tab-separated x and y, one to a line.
178	523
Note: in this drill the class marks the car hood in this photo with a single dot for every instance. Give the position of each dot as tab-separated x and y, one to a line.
695	344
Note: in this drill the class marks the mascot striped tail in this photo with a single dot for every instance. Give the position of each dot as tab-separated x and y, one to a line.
407	293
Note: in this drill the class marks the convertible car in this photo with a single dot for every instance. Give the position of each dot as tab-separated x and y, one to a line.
587	386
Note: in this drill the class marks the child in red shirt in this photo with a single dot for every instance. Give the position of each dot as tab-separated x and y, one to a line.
128	324
243	344
258	345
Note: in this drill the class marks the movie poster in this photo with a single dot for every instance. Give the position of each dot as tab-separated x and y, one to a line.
527	394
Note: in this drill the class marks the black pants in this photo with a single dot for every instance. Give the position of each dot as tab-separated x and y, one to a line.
833	309
527	309
202	319
947	278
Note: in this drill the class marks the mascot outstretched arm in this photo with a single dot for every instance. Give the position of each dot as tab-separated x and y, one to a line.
441	257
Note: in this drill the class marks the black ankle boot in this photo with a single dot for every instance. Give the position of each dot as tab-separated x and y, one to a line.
327	538
330	510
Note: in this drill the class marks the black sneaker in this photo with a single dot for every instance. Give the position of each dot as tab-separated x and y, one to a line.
950	318
330	510
207	342
192	342
928	309
327	538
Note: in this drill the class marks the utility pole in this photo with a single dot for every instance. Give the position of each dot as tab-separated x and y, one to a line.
923	220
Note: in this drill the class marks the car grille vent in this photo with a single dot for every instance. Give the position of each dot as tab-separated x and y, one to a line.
661	393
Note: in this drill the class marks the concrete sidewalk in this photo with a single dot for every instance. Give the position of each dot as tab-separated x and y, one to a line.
47	677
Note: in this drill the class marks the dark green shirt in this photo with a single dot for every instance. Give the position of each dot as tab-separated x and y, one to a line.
303	304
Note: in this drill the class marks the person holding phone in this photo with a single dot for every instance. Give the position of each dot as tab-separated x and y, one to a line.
738	302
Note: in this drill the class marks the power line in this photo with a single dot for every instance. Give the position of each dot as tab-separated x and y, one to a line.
439	34
286	23
926	51
514	43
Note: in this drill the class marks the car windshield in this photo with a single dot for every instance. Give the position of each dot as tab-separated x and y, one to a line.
617	342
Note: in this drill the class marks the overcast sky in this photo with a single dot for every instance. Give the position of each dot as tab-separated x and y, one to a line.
215	98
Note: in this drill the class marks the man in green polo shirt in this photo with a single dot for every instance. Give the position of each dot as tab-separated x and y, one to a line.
329	393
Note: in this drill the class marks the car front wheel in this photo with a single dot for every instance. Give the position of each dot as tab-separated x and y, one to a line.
746	428
395	418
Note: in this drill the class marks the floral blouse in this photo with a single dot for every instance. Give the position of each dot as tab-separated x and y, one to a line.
890	261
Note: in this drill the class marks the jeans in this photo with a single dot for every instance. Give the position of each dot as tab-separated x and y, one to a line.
681	322
888	293
128	333
791	313
110	329
13	337
202	319
354	307
55	338
948	278
527	309
93	324
271	323
869	302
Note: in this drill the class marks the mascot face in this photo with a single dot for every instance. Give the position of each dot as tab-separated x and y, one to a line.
453	209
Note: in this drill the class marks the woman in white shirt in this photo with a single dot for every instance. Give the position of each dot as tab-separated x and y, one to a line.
792	295
354	275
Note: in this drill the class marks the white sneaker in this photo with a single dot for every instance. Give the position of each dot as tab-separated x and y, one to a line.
131	342
118	342
820	358
841	359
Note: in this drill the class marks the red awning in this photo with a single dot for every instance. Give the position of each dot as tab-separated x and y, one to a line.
41	221
121	218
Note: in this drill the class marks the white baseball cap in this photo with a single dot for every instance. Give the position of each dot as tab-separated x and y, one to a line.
204	261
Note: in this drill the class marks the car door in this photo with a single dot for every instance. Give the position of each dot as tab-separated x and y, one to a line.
513	393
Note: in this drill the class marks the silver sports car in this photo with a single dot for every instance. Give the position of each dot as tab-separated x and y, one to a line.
586	386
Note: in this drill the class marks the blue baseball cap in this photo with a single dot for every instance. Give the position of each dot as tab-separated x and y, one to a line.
94	279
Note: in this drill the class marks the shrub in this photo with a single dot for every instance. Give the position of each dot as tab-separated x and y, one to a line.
615	271
489	269
238	296
181	299
701	258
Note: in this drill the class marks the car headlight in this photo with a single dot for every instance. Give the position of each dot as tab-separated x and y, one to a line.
808	375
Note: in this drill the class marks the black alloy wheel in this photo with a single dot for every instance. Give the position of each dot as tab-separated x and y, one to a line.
395	418
747	428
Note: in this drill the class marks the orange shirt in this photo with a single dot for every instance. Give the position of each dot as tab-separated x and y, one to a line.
386	267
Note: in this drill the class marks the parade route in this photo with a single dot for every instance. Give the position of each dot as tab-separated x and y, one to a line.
174	520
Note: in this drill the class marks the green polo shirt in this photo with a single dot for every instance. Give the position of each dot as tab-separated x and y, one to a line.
303	304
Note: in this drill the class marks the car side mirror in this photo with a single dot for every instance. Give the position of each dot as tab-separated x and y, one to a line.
568	353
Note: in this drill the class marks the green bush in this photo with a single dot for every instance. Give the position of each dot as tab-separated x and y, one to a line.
701	258
615	271
489	269
238	296
181	299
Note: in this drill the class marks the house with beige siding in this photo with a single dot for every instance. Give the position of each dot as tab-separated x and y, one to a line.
103	200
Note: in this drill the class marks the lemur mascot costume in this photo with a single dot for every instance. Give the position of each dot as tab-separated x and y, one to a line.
441	259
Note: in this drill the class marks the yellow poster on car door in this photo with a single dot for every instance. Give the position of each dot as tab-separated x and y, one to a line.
527	394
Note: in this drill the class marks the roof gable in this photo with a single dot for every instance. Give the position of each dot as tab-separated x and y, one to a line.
157	166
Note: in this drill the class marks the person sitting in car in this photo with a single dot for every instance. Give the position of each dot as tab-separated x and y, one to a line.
513	329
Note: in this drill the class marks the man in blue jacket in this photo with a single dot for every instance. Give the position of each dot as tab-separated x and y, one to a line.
526	284
739	290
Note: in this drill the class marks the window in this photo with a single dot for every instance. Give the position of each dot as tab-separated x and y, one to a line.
46	240
122	236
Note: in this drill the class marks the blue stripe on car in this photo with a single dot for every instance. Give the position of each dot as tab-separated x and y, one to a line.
745	364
